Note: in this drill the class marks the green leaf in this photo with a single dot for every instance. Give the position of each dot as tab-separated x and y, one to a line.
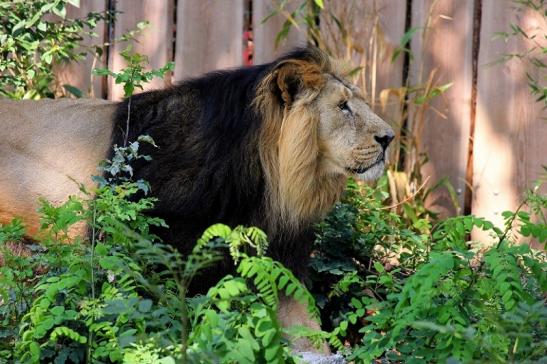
18	26
379	267
102	72
283	33
145	305
356	303
128	89
101	249
57	310
73	90
405	39
244	348
60	10
111	263
34	349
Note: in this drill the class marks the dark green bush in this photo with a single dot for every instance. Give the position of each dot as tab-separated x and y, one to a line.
123	295
444	298
34	36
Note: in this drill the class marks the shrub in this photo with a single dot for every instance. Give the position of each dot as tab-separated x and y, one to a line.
35	35
444	298
123	295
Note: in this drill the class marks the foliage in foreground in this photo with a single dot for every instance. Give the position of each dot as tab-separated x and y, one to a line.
388	289
123	296
34	36
425	293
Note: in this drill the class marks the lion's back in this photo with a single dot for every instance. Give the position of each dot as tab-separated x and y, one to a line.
45	146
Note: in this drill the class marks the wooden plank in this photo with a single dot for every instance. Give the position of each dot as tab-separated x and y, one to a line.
209	36
391	17
510	135
446	50
79	74
265	33
156	41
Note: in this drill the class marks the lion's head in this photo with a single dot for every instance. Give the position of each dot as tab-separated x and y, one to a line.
318	130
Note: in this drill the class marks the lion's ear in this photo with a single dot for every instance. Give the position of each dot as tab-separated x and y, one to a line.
289	78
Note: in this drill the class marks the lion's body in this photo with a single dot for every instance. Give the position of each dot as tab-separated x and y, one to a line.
207	168
267	145
44	146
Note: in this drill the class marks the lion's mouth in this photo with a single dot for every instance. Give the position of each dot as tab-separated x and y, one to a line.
359	170
363	169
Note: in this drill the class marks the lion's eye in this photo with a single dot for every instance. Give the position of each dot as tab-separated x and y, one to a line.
344	107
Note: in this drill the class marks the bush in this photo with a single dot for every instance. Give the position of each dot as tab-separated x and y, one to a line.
418	294
35	35
443	298
123	295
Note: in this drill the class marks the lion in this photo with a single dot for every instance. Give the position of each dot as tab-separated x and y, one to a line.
269	145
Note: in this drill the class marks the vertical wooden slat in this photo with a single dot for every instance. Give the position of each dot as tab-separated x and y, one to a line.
446	50
510	143
265	33
155	41
209	36
79	74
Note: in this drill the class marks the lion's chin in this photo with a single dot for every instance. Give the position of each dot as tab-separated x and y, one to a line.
373	172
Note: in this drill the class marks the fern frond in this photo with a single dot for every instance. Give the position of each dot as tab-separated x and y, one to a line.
271	277
213	231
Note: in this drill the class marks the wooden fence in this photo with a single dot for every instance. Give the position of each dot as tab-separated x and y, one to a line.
487	135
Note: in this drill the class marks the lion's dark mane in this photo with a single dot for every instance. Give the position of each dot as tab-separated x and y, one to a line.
207	168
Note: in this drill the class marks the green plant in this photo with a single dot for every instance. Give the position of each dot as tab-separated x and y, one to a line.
35	35
126	296
448	300
133	76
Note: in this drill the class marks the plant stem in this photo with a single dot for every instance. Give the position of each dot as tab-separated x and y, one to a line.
126	135
510	223
90	334
182	286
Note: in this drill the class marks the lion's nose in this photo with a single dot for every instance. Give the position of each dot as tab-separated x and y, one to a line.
384	139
